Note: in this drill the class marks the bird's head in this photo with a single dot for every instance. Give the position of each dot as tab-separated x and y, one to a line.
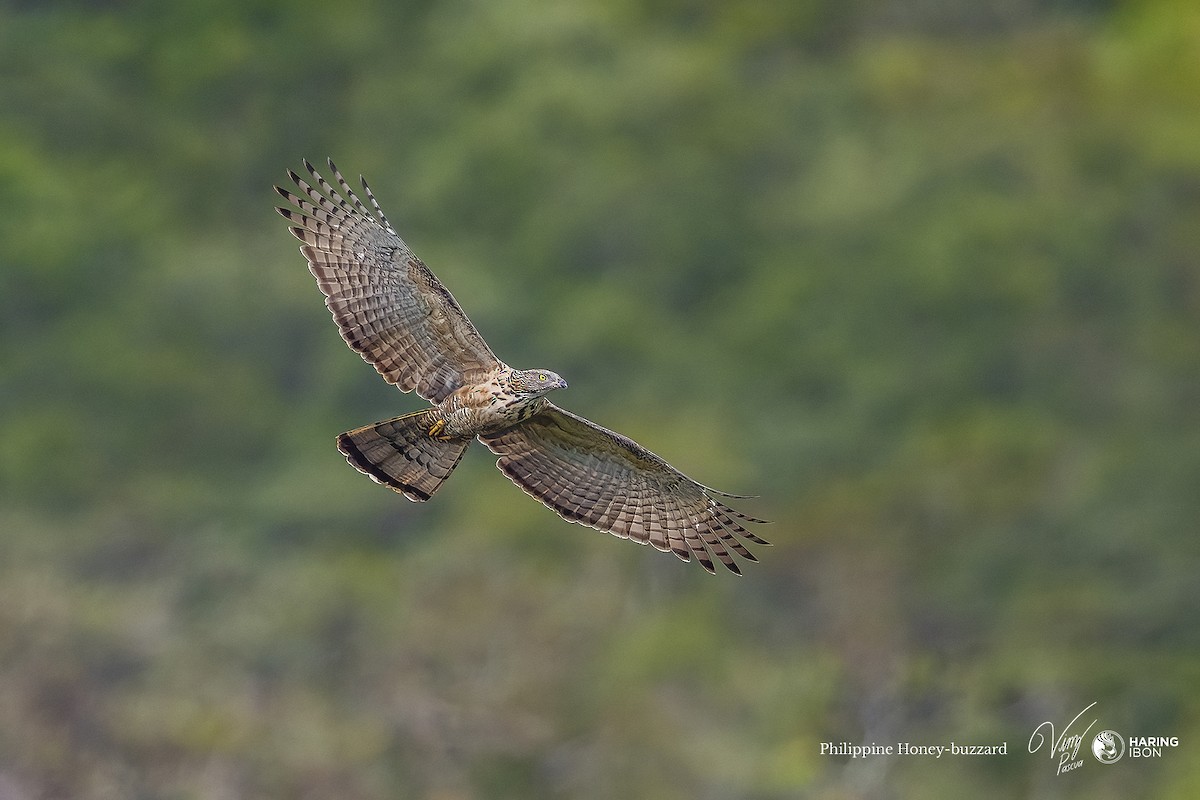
535	382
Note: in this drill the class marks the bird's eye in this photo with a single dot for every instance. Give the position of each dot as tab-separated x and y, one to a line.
541	377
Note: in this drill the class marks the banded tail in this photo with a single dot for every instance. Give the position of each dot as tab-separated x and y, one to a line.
400	454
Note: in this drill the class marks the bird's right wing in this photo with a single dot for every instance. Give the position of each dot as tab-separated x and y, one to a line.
599	478
389	307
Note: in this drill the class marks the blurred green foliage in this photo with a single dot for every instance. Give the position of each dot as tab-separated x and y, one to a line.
925	275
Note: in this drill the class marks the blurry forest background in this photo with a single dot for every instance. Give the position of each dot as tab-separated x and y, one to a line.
923	274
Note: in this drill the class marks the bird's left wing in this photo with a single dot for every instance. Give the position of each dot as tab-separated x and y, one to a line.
599	478
389	307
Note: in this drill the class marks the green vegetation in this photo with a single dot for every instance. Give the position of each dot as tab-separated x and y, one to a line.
926	276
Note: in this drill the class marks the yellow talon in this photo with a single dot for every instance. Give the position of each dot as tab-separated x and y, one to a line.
437	428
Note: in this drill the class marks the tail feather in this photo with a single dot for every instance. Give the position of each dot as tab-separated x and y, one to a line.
400	454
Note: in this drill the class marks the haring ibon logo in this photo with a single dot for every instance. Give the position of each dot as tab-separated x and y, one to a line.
1108	747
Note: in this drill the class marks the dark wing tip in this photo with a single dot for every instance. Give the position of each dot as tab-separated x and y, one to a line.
748	535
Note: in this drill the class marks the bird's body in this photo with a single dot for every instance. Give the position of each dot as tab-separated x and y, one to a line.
483	408
399	317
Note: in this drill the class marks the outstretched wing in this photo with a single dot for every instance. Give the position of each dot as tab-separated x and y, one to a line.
593	476
387	304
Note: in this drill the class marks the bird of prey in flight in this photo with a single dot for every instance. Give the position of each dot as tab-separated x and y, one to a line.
400	318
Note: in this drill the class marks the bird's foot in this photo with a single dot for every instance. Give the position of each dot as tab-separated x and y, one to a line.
436	429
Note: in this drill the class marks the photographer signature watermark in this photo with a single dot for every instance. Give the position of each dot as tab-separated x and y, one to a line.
1108	746
1068	745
